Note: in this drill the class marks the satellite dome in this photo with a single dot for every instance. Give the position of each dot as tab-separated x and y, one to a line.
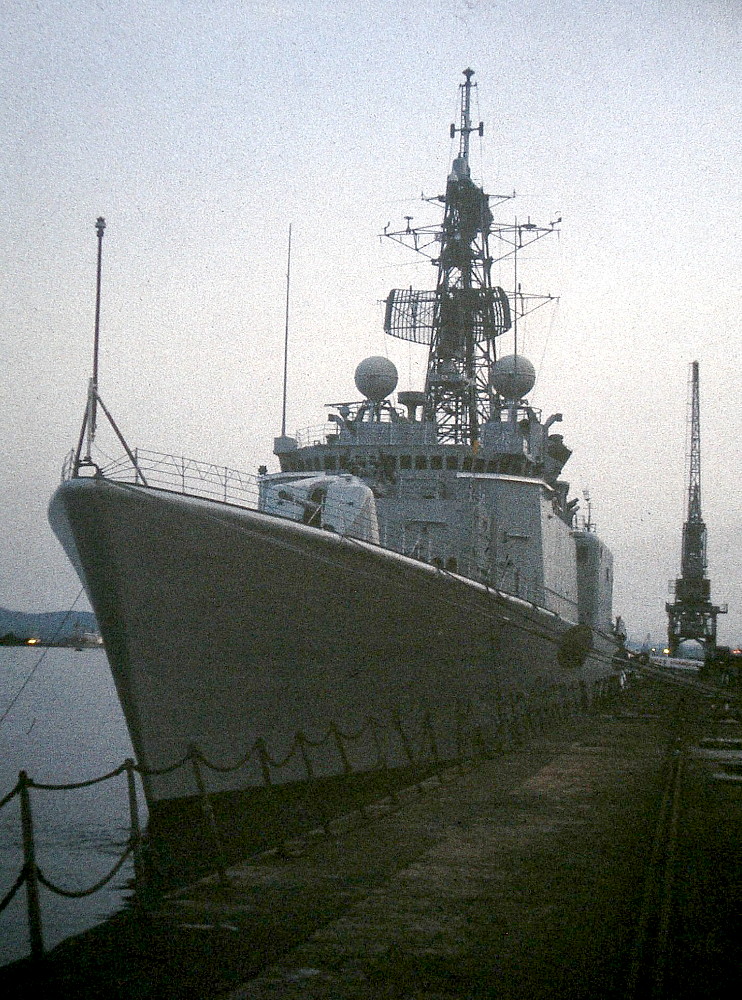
513	377
376	378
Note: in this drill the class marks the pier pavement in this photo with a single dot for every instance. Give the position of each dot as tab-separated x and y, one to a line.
545	872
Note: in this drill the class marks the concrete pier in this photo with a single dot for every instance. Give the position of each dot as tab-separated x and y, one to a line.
530	875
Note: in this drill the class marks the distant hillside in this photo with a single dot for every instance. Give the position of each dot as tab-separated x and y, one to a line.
48	626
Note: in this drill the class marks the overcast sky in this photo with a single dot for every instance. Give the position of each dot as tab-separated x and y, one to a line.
201	130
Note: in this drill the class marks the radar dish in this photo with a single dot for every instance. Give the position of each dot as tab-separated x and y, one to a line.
376	378
513	377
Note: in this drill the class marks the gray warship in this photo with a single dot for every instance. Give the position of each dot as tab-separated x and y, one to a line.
413	573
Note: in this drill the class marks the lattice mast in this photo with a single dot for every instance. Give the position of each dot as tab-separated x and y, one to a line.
457	383
692	615
464	314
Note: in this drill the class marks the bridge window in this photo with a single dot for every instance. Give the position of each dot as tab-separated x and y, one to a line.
466	464
452	462
436	462
405	461
421	462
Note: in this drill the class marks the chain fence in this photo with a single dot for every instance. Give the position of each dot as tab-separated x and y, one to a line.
522	716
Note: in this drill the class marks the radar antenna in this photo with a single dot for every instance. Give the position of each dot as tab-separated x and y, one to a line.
692	615
464	315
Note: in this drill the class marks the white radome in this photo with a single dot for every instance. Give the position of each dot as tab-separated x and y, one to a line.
513	377
376	378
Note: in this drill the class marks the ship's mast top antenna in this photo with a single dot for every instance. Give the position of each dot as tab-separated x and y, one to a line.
286	337
466	127
100	225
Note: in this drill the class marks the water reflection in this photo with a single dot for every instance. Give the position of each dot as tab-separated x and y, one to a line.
66	726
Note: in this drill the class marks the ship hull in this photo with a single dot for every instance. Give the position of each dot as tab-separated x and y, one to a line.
225	626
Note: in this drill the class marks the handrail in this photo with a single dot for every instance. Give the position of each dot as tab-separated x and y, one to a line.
207	480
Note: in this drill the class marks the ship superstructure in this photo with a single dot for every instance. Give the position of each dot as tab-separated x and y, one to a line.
465	474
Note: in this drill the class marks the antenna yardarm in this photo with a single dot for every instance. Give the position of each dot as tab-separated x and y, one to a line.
466	128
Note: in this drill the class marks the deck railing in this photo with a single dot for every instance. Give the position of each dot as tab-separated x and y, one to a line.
219	482
185	475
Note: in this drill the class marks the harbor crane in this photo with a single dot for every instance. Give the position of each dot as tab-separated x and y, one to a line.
692	615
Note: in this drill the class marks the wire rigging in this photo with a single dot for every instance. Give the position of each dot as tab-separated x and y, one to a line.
40	660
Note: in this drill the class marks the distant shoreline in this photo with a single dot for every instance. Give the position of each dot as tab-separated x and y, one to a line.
49	628
31	642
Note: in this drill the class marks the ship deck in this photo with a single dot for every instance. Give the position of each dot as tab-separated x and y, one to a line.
595	858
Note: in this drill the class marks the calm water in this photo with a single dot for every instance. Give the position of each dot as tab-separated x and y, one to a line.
66	726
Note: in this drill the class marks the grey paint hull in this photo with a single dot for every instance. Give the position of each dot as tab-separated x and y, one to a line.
223	625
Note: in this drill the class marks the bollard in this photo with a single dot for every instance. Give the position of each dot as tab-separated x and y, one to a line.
208	811
35	935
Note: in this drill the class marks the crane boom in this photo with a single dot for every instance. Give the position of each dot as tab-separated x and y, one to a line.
692	615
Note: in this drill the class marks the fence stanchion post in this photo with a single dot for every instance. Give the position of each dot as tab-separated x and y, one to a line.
430	728
459	726
343	753
135	831
397	723
29	863
584	698
391	783
264	759
210	818
306	759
